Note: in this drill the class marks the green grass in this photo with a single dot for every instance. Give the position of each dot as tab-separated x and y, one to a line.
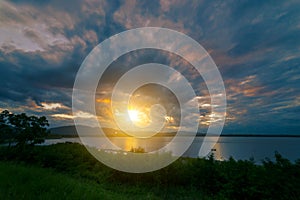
29	182
23	181
19	181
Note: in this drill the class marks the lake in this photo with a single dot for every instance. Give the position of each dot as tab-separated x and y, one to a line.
237	147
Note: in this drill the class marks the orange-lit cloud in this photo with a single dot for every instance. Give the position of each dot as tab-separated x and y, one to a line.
247	87
105	101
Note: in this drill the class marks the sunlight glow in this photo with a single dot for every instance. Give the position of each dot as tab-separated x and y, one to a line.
133	115
138	117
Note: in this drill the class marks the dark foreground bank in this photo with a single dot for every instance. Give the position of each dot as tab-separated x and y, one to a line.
68	171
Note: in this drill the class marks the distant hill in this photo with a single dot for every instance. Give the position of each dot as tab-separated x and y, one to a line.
67	130
71	131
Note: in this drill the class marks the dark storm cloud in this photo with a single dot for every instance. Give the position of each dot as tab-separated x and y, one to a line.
57	62
42	47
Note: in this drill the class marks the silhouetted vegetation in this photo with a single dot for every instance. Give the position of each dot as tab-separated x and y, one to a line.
186	178
22	129
137	150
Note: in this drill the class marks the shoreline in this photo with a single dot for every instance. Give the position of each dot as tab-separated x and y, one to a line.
225	135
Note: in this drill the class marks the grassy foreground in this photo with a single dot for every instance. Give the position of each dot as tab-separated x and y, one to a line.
68	171
19	181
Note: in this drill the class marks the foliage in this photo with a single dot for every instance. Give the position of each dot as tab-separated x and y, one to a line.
137	150
186	178
22	129
31	182
6	132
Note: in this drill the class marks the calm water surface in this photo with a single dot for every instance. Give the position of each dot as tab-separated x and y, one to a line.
237	147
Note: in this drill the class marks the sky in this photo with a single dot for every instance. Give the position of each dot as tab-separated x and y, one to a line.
254	44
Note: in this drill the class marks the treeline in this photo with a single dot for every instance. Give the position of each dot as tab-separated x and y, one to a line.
22	129
231	179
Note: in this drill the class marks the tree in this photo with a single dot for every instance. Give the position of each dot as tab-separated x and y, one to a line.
23	129
6	131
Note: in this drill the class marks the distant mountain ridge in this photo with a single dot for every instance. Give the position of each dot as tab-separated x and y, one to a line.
71	131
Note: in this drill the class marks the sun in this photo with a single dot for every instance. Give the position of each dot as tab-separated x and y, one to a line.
133	115
138	117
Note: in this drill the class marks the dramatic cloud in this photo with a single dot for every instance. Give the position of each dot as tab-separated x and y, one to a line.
255	45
